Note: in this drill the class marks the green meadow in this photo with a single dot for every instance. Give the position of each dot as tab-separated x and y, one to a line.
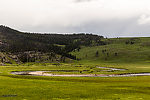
17	87
118	53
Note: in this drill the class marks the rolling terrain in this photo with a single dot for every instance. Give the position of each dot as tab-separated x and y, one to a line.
130	53
82	54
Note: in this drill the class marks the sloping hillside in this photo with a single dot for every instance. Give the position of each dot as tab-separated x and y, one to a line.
117	50
18	43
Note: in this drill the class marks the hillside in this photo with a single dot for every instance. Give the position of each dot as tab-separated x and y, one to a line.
16	47
117	50
51	45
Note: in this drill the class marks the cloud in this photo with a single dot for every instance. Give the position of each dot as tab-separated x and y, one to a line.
83	0
107	17
144	19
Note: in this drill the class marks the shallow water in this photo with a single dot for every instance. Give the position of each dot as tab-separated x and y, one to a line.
43	73
112	69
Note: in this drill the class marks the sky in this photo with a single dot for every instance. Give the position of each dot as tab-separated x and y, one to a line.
110	18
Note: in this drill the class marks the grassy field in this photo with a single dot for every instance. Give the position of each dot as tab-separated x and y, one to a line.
133	57
17	87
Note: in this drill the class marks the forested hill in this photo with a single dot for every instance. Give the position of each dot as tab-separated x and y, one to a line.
14	41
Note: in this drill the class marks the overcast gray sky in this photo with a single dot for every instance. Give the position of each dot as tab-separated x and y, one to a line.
110	18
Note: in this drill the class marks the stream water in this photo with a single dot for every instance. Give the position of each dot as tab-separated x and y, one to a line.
112	69
48	73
